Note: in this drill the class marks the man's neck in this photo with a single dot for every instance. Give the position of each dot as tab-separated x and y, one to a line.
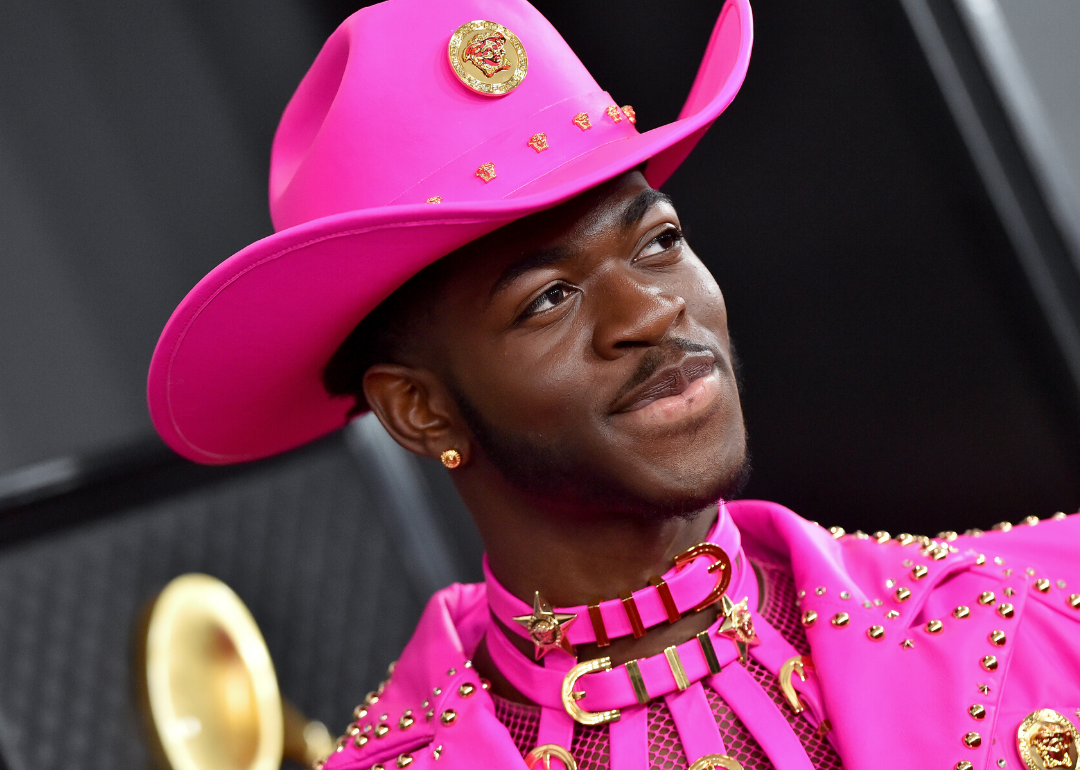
579	560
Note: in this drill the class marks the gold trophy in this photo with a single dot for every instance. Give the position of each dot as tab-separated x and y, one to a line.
208	688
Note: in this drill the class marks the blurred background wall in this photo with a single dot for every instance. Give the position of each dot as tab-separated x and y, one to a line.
890	206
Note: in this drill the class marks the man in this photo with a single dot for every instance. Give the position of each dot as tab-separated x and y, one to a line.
478	253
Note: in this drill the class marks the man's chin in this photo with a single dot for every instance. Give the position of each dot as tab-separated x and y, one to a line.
688	503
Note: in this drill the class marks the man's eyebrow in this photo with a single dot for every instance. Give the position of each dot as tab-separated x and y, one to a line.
636	209
532	261
631	215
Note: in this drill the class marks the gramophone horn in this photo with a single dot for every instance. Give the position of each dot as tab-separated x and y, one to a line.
208	686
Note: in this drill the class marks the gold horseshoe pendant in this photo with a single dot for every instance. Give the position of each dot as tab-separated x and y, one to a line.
570	696
710	761
545	752
722	564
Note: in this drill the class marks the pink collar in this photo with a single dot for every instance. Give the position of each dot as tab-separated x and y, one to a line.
697	580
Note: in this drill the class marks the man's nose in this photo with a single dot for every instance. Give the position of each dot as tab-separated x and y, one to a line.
632	313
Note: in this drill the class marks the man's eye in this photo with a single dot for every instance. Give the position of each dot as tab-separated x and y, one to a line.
668	239
556	295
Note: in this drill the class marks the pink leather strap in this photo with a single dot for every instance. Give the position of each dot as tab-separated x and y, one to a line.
605	690
695	722
762	718
689	586
630	740
556	726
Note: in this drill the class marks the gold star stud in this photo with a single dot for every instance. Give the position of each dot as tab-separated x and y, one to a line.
738	626
984	689
907	644
547	629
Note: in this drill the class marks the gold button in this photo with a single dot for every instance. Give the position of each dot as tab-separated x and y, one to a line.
1005	610
961	612
841	619
404	760
997	638
448	717
809	618
429	714
881	536
466	690
875	632
1002	526
359	713
836	532
963	765
353	729
1074	601
989	663
934	627
360	741
973	740
987	597
919	571
977	711
905	539
1042	585
371	698
406	720
902	594
381	731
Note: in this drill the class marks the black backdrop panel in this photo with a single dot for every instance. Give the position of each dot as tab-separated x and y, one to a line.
898	372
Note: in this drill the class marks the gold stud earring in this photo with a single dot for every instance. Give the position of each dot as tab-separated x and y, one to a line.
451	458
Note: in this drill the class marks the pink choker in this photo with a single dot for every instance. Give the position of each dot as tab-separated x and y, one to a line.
592	692
699	577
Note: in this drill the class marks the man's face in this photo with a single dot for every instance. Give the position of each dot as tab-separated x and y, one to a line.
587	348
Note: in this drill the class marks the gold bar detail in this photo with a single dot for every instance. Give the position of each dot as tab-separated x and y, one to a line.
635	617
662	588
640	692
677	669
709	653
599	629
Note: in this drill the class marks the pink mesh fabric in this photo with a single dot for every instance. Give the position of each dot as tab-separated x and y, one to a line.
591	744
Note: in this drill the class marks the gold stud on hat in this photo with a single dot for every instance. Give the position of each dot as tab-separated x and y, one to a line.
451	458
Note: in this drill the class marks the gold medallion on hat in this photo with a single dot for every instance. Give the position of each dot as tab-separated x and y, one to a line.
488	58
1048	740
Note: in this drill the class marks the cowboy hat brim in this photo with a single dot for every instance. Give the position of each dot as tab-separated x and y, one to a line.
237	372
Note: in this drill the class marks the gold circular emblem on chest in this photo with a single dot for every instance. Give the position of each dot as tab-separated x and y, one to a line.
1048	740
488	58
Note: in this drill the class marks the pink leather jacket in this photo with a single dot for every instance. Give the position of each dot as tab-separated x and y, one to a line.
928	654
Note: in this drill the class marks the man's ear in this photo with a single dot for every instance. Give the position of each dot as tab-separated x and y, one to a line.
416	409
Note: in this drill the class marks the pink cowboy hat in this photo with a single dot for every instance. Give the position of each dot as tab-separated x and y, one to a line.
415	131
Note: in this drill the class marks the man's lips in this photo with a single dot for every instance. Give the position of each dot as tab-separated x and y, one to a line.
667	382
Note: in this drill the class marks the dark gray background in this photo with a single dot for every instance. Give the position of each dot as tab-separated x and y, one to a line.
902	368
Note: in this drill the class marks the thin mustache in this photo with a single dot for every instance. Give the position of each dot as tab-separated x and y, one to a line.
654	359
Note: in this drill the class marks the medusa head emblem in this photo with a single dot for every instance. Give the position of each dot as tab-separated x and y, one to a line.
487	52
